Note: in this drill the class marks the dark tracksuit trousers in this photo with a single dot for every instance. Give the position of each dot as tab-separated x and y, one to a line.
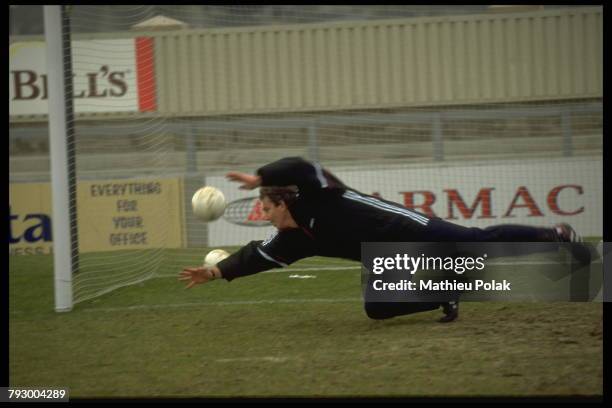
440	231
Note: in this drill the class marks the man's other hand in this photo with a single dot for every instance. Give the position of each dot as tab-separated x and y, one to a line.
199	274
249	181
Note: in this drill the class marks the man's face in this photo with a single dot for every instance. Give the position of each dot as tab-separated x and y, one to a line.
278	215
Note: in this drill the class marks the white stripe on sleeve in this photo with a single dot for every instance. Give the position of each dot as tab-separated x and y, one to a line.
386	207
320	175
269	239
269	258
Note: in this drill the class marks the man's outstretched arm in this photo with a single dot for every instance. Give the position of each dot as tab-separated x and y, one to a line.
280	250
286	172
249	181
245	262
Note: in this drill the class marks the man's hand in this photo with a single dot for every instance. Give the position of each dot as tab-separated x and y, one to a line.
199	274
249	181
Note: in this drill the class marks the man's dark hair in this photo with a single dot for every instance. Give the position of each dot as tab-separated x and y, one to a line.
287	194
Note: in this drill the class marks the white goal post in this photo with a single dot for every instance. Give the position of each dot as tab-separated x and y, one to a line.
62	177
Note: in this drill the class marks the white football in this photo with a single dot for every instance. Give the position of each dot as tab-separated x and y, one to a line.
215	256
208	203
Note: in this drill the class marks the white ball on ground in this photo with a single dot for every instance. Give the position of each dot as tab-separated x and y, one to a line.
215	256
208	204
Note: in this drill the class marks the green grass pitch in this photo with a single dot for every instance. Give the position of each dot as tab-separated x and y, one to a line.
269	335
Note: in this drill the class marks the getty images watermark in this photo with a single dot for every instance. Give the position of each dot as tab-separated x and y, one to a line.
505	271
